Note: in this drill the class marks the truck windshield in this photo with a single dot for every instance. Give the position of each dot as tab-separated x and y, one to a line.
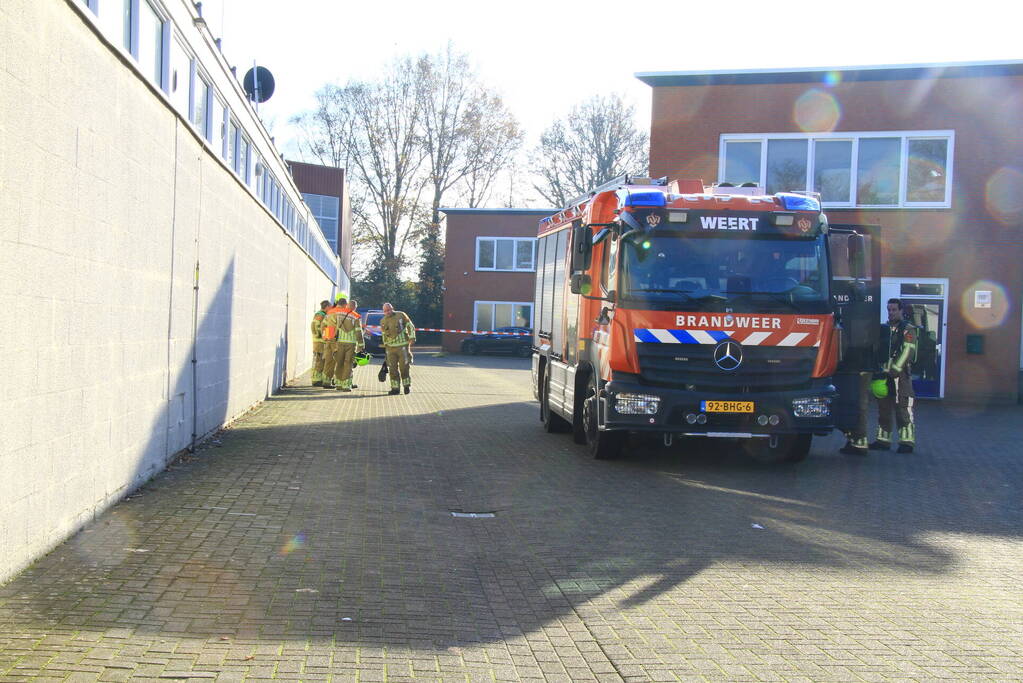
671	271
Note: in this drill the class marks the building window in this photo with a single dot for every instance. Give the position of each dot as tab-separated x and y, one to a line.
91	4
489	315
151	51
201	107
126	23
259	174
506	253
927	170
325	209
218	123
180	84
232	145
832	170
869	169
245	158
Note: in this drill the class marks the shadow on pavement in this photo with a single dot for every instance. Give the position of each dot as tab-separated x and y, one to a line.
336	524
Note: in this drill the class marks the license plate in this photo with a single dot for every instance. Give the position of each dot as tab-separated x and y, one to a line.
726	406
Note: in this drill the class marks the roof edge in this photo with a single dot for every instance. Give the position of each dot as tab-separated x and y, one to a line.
833	74
497	211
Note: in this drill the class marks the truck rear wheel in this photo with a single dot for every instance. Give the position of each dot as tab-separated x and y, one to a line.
601	445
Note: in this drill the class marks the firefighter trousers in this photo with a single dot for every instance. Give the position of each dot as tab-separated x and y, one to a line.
857	436
330	353
343	366
899	401
317	361
398	365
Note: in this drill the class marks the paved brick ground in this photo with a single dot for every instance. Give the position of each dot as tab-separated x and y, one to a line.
315	542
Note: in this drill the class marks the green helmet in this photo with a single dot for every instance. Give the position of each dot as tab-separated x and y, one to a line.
362	358
879	387
341	295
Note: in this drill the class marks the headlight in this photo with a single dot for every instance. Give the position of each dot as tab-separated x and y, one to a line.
637	404
818	406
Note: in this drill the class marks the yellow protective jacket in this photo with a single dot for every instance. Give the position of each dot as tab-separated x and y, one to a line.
316	326
397	329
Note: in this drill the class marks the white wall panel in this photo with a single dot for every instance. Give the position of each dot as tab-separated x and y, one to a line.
109	200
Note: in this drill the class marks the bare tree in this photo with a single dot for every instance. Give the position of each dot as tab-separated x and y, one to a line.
373	130
596	142
429	127
468	133
327	128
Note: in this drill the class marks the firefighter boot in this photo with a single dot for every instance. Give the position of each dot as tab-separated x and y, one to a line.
854	447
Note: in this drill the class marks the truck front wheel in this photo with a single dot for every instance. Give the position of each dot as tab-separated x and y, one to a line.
602	445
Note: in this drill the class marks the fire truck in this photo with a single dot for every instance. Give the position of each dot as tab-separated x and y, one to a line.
685	310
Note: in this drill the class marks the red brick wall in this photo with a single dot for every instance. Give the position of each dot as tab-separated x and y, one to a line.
464	285
330	181
966	243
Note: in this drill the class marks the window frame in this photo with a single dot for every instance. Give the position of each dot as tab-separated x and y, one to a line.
135	39
514	268
492	304
905	136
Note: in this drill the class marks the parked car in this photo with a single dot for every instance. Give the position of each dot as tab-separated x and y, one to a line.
371	330
521	346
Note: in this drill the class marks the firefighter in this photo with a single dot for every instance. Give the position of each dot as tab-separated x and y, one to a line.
898	352
330	347
354	305
349	340
317	329
397	334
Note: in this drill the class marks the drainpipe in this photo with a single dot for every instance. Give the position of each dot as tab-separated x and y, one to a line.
195	355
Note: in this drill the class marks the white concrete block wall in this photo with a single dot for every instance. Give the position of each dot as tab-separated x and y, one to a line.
107	200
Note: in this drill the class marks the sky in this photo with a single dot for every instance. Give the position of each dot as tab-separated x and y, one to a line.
545	57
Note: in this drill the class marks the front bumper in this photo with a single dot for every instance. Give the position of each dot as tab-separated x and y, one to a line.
676	405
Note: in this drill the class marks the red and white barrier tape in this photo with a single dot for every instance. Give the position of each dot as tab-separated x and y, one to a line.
506	334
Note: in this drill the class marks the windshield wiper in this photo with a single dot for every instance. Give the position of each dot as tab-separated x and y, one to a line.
663	291
780	297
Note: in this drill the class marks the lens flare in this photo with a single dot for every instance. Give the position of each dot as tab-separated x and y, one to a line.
1003	196
832	78
816	111
985	304
296	542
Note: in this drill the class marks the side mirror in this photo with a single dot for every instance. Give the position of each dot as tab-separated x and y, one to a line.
582	247
580	283
857	256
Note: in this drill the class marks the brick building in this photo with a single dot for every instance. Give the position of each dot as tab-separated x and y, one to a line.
326	194
930	153
489	269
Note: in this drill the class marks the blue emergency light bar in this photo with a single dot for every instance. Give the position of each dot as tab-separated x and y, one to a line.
643	199
798	202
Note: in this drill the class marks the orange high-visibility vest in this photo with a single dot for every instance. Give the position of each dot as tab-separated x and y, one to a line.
331	322
329	329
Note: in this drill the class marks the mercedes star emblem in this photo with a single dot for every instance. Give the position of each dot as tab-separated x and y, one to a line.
728	355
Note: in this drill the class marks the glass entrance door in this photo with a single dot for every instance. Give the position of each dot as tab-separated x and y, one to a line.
927	301
929	316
